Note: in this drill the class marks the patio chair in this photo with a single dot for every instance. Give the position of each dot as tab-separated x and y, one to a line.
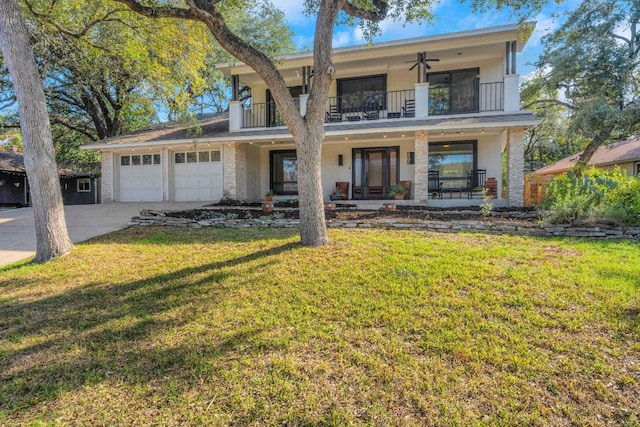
476	181
434	185
333	115
409	109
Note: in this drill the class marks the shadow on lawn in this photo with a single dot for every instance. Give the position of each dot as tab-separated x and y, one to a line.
93	332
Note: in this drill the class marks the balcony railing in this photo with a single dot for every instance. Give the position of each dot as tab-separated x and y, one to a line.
442	100
465	99
371	106
261	115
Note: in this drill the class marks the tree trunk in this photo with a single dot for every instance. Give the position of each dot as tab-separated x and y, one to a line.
52	238
313	228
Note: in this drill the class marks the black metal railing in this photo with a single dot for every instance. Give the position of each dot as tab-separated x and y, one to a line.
369	106
260	115
465	99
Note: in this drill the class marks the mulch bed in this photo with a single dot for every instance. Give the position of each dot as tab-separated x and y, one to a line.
350	213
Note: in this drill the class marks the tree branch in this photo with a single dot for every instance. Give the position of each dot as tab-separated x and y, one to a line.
548	101
370	15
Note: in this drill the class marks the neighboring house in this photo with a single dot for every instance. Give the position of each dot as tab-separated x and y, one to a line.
433	113
624	155
77	188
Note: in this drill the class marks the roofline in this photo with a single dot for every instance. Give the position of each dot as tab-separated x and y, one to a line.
331	132
400	42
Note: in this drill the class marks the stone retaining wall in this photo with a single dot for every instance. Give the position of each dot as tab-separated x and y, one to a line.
513	227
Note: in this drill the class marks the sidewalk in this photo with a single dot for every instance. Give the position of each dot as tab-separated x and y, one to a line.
18	235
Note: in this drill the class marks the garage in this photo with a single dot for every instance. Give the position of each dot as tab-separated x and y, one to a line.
197	175
140	178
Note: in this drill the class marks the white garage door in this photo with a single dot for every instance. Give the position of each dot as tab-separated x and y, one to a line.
197	175
140	178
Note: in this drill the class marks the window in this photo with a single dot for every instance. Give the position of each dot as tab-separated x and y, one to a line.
638	169
454	161
156	159
146	159
284	172
84	185
362	93
453	92
203	156
125	161
135	160
196	157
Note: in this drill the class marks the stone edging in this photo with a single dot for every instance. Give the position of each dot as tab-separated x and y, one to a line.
512	227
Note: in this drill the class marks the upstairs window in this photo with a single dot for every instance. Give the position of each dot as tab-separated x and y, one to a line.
362	94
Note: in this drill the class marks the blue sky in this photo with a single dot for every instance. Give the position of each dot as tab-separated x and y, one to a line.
450	16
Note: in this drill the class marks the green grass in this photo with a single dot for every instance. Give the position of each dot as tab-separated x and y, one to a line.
224	327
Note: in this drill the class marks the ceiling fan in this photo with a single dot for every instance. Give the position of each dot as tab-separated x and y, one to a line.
422	62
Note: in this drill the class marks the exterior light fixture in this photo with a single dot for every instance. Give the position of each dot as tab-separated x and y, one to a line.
441	132
483	131
384	135
403	134
346	138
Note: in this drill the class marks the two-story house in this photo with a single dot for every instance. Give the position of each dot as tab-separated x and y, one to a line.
434	114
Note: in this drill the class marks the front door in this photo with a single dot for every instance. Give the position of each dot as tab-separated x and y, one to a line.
374	170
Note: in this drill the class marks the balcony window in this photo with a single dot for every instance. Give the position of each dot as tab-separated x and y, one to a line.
453	92
362	93
284	172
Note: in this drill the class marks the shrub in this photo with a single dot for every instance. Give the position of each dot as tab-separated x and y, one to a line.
595	196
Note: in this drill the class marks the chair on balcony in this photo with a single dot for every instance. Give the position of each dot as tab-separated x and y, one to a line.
434	185
476	181
333	115
409	109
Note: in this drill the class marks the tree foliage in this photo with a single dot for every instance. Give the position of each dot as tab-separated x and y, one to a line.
590	66
107	71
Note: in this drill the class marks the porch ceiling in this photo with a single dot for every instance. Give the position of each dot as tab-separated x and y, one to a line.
455	50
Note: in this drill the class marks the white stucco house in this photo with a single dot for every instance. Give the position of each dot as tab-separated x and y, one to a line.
434	113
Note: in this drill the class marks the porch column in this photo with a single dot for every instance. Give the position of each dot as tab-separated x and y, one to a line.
106	189
235	116
234	170
241	171
511	93
422	99
421	168
515	167
303	104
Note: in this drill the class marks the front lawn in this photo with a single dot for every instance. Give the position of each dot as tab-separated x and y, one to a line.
218	327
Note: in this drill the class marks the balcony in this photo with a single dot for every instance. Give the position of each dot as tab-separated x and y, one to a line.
421	102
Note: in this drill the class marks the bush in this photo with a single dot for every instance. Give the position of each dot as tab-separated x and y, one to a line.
593	197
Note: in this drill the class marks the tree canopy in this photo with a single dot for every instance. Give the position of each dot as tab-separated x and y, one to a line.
590	67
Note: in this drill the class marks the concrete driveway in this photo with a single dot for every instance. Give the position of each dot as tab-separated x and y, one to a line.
18	235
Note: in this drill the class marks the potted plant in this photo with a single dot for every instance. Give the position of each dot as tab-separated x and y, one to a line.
268	197
397	191
335	194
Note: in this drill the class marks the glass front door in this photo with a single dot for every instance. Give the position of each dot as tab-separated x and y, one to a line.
374	170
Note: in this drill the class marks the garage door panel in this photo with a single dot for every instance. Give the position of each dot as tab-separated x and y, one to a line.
200	180
140	182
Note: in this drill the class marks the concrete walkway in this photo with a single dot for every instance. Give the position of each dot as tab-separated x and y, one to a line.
18	235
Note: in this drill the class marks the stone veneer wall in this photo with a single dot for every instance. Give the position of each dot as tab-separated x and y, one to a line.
106	185
241	171
229	171
421	175
515	167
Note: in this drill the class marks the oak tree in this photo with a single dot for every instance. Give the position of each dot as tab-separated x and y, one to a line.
52	238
